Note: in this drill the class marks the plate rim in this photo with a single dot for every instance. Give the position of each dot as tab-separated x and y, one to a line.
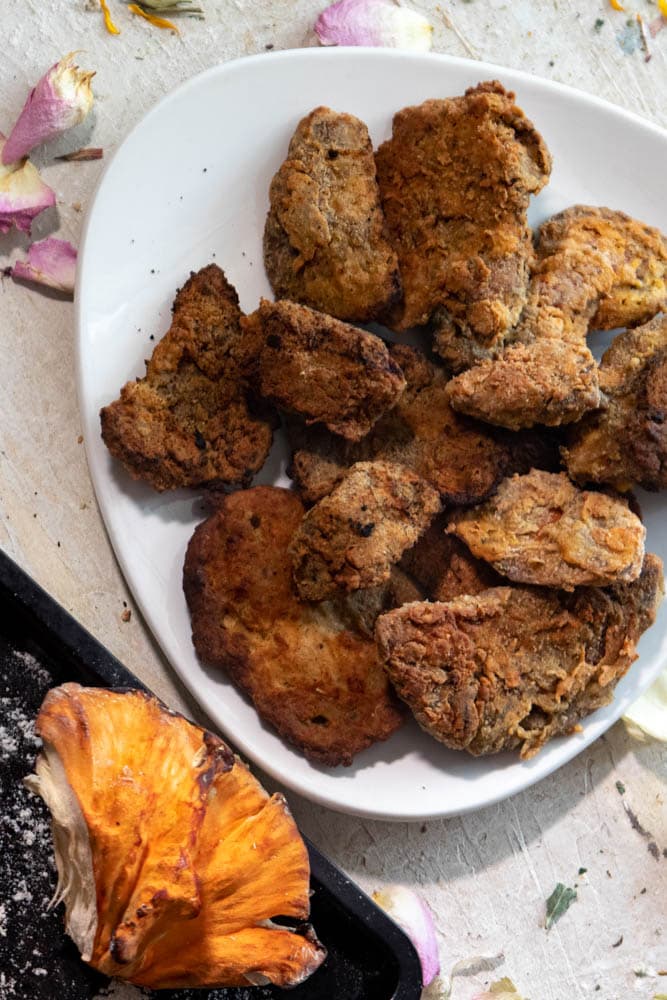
511	77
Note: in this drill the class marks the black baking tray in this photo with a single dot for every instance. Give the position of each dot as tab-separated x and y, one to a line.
41	645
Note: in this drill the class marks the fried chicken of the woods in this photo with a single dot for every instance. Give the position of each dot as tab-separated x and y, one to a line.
171	857
596	269
540	528
326	371
190	420
325	243
455	181
353	536
461	458
511	667
625	444
316	681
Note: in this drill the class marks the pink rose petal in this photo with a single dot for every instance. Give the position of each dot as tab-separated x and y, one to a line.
373	22
50	262
23	194
61	99
412	914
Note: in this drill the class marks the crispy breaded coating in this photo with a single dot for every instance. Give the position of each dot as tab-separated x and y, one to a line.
548	382
319	684
455	181
541	528
462	459
352	537
325	243
596	269
191	421
326	371
512	667
443	567
625	444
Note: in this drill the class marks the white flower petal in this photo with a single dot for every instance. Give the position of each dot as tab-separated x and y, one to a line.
374	22
649	712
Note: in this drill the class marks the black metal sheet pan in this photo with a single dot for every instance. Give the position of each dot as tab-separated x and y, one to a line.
41	645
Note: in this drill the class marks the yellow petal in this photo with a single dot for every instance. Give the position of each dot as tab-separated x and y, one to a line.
110	26
159	22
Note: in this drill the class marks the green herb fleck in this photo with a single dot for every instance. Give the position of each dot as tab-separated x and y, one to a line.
620	788
598	24
558	903
582	871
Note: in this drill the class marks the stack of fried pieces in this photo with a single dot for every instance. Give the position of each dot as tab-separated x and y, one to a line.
462	533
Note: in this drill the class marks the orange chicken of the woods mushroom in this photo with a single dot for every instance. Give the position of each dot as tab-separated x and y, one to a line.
172	859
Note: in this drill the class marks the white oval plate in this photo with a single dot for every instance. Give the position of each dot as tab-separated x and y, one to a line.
190	185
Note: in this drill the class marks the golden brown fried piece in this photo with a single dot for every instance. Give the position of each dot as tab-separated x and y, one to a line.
326	371
443	567
352	537
455	180
542	529
514	666
463	460
626	443
320	685
596	269
324	242
548	382
189	421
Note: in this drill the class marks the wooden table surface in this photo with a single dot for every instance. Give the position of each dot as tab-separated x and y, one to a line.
486	876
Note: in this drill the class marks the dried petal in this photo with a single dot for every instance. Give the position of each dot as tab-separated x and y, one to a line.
503	989
373	22
412	914
23	194
159	22
50	262
172	859
108	21
61	99
648	715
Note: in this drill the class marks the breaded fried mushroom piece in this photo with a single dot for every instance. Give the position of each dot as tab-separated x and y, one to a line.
512	667
549	382
461	458
542	529
352	538
317	683
597	269
189	421
326	371
455	181
625	444
325	243
444	567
